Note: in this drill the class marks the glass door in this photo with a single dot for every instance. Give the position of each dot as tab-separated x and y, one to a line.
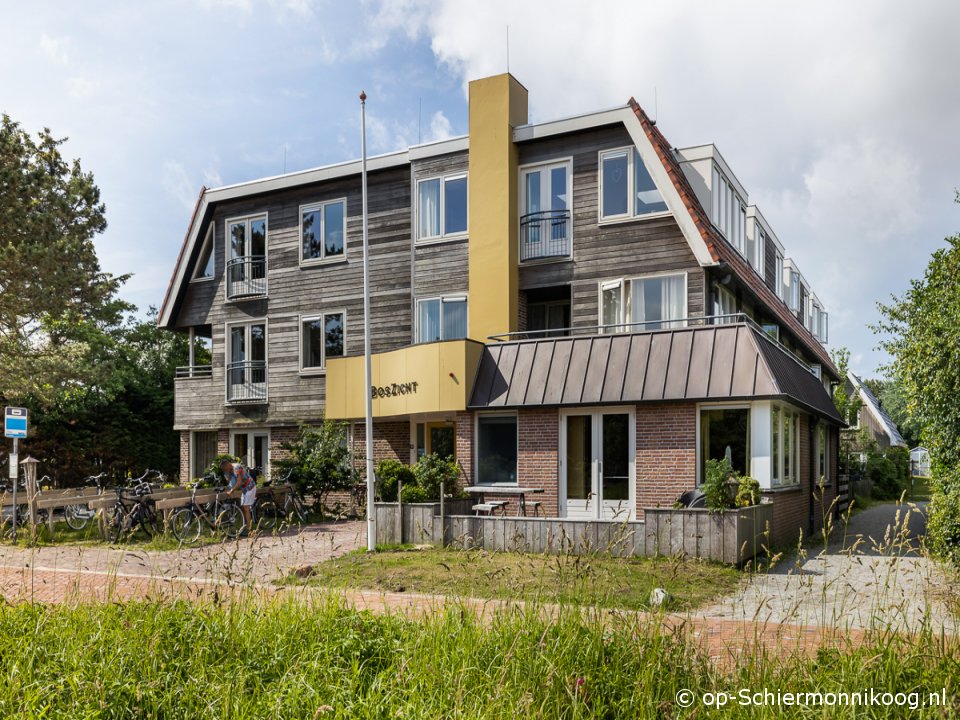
253	449
597	465
545	212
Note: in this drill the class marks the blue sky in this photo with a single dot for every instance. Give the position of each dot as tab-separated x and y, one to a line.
839	118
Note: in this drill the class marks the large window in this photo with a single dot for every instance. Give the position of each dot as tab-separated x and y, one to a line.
323	231
725	305
321	338
203	452
246	257
725	433
649	303
441	207
247	362
548	319
442	318
497	448
823	471
626	187
205	263
784	437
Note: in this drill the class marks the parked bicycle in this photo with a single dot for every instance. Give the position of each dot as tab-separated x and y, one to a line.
220	515
77	516
268	515
22	509
132	509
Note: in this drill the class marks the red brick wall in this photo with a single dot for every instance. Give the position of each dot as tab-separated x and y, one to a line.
666	453
278	437
223	442
184	456
464	440
538	461
391	441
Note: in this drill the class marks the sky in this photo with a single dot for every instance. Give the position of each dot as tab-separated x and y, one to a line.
840	118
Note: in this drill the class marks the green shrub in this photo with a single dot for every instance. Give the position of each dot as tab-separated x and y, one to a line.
943	514
432	470
391	473
319	460
748	492
213	469
716	485
416	494
882	472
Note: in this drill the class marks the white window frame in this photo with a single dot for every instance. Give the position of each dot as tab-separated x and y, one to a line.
476	449
722	406
227	359
443	236
453	297
786	409
631	214
539	167
822	443
623	283
322	317
207	243
320	207
778	270
251	432
266	250
725	292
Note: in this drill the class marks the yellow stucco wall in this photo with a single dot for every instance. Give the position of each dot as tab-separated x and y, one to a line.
443	372
497	105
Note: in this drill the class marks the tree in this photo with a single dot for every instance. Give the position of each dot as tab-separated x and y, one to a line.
55	301
319	460
848	405
890	394
922	330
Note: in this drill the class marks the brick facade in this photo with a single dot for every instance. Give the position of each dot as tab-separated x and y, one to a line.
666	453
538	463
391	441
464	447
184	456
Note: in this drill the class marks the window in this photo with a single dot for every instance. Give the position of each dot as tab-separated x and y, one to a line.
823	471
824	334
778	271
323	231
729	213
441	319
204	452
247	257
725	305
247	362
205	267
725	432
545	228
626	187
496	449
548	319
794	291
441	207
321	338
436	438
644	303
784	433
253	449
756	246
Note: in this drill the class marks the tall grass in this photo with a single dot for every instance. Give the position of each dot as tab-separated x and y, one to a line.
291	658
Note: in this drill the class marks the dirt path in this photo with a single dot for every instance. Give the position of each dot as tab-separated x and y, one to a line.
873	574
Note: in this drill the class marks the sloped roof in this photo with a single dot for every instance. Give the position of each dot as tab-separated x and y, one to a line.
723	362
720	249
873	405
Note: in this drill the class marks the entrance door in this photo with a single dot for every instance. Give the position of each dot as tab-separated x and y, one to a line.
253	449
597	473
438	438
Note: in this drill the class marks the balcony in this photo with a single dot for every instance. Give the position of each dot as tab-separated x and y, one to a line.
194	371
545	235
247	277
247	382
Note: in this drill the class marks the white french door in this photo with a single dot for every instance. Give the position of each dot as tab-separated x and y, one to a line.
598	464
253	448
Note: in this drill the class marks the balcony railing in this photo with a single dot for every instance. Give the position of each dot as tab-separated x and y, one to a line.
194	371
247	382
545	235
247	277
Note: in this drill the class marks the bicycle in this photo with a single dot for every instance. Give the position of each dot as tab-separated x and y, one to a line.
269	516
132	508
22	509
218	515
77	516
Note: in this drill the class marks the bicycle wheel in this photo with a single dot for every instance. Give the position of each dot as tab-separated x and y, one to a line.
150	522
296	509
76	516
266	514
185	524
230	520
119	527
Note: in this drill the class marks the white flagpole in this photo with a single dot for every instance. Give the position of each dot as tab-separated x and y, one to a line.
367	373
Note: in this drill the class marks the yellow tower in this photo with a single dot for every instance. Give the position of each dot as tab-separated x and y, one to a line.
497	105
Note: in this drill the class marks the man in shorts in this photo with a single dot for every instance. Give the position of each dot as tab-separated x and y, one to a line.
241	480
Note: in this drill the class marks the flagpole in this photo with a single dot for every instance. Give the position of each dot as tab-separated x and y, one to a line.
367	373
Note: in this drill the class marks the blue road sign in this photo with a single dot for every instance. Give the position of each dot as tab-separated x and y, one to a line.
15	422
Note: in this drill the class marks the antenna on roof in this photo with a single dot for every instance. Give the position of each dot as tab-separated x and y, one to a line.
508	48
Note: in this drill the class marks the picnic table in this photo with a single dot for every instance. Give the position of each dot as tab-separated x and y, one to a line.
504	489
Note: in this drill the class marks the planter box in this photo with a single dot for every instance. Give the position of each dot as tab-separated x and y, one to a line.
730	536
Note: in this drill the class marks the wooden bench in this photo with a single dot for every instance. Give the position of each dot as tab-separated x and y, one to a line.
490	506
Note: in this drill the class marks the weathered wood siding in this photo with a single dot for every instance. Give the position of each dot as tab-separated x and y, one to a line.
295	290
608	251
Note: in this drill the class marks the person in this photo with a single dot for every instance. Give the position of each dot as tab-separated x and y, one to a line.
241	480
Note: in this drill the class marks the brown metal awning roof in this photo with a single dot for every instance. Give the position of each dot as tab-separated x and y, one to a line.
725	362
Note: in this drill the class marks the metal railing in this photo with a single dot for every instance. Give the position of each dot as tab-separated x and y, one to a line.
653	326
194	371
247	276
545	235
247	382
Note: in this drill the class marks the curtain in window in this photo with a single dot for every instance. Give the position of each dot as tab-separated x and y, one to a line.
610	308
429	324
672	299
429	209
454	319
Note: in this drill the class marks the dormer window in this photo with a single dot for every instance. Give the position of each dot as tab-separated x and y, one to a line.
626	188
729	214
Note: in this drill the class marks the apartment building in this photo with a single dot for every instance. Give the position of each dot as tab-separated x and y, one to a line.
574	305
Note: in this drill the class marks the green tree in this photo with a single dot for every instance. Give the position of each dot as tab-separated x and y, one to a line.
848	403
55	301
319	460
922	330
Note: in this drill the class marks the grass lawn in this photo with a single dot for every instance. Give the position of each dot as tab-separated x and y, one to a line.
598	580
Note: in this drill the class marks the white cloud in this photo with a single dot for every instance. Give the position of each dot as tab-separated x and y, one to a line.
440	127
54	50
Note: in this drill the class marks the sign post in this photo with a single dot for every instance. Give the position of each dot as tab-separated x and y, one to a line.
15	426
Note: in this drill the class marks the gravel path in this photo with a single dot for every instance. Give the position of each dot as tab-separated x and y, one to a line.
873	574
